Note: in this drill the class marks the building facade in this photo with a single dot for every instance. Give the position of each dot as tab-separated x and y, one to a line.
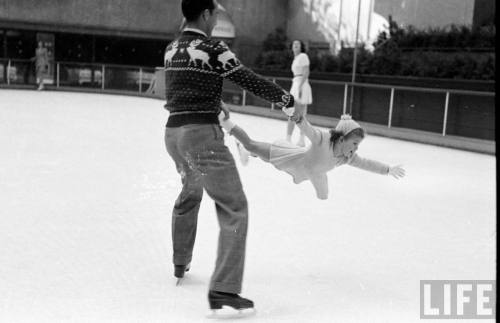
124	31
335	22
135	32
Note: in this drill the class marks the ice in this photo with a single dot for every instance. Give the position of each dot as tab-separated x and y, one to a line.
87	189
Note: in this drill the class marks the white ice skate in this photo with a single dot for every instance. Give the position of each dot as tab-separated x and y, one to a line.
244	154
301	142
225	124
179	271
288	111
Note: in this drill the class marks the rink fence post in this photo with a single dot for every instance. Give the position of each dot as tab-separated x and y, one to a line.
346	89
244	100
272	103
391	105
445	119
140	79
8	72
57	74
103	78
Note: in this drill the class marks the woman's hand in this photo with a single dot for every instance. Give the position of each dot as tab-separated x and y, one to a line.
397	171
298	113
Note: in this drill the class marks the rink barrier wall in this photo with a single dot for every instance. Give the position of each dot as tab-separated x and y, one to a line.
454	118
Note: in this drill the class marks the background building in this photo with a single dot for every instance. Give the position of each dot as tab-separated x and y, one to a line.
428	13
123	31
333	22
135	32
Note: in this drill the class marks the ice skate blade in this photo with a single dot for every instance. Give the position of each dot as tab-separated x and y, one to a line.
180	274
227	313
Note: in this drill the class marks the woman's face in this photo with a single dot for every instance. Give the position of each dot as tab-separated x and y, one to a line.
350	145
296	47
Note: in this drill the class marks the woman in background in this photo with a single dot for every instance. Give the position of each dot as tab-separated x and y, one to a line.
301	90
41	64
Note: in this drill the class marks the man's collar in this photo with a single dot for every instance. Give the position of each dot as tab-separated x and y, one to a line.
195	30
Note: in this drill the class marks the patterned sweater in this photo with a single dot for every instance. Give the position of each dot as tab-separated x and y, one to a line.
195	67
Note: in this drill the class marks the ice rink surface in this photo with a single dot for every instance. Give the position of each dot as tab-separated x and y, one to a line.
87	190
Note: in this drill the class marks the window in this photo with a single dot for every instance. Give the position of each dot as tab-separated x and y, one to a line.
130	51
73	47
20	44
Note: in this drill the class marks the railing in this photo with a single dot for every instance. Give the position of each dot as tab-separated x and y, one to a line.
389	109
81	75
16	71
445	111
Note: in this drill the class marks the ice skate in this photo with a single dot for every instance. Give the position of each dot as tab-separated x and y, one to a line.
244	154
179	271
228	305
288	111
301	142
227	125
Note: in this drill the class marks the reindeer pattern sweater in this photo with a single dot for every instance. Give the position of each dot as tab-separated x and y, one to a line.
195	67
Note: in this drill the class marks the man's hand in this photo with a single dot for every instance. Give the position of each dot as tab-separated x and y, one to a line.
224	109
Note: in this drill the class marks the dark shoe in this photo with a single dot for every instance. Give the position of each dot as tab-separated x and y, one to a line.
218	299
179	270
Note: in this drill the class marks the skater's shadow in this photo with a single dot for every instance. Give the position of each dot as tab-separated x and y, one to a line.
316	297
192	280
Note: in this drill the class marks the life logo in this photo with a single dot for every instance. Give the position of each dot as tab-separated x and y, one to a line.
457	299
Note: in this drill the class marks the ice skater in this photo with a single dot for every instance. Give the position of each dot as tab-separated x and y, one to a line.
328	149
301	89
195	67
41	59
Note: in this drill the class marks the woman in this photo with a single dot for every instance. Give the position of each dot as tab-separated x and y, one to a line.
41	64
328	150
301	90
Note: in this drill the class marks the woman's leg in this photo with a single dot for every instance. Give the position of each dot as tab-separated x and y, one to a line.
301	141
261	149
289	129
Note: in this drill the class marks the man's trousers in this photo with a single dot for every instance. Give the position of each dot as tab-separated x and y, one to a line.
204	162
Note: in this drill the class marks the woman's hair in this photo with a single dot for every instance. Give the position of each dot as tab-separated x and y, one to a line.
192	9
302	45
335	135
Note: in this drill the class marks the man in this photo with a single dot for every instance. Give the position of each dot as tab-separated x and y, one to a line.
195	67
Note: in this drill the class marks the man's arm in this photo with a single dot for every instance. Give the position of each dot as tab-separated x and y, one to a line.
231	68
250	81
